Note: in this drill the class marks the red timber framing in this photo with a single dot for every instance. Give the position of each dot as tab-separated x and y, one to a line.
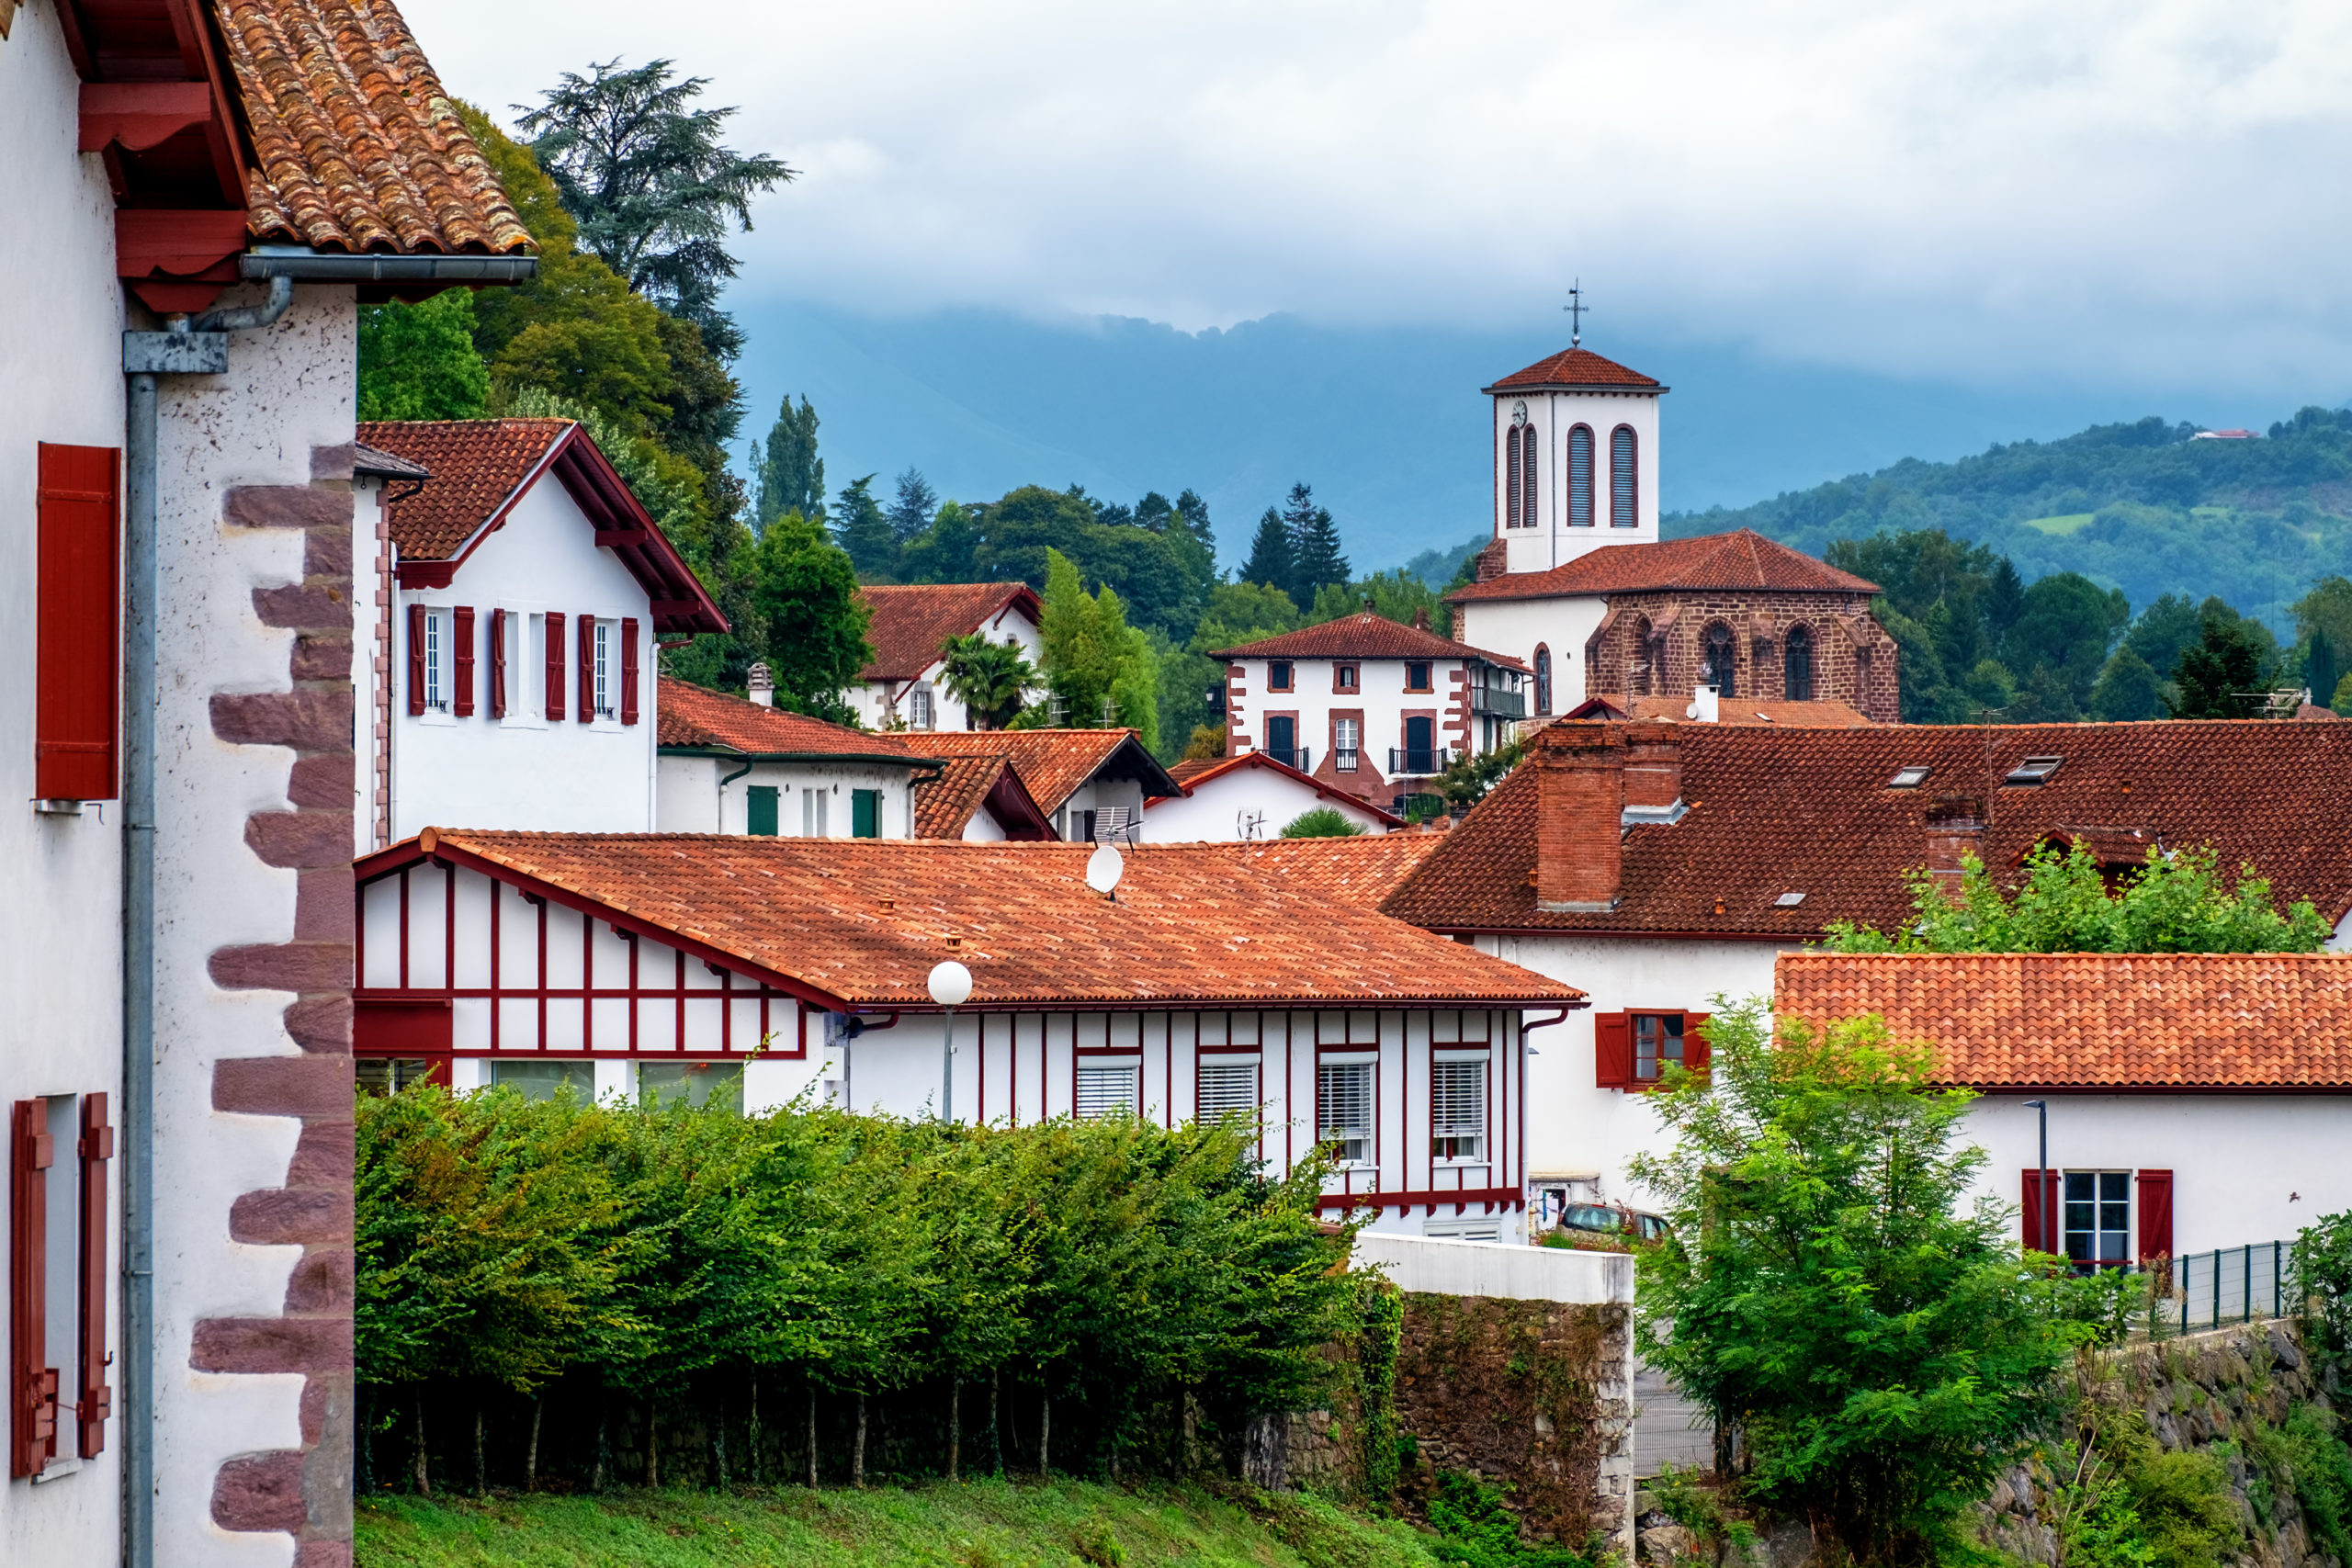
463	959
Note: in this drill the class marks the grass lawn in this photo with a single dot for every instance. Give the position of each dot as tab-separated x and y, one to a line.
2073	522
983	1525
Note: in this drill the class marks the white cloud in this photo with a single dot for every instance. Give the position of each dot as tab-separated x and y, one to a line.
2101	191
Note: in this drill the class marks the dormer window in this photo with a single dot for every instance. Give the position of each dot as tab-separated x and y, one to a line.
1416	675
1278	673
2034	770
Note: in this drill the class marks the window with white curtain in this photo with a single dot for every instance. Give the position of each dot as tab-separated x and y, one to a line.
1458	1110
1343	1110
1107	1091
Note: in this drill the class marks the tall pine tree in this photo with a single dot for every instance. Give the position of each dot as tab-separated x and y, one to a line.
792	477
1316	559
1270	561
912	511
863	530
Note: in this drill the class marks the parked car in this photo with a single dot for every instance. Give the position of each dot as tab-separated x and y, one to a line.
1610	1220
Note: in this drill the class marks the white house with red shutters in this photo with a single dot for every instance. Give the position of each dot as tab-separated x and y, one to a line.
188	240
905	684
1247	796
511	663
635	965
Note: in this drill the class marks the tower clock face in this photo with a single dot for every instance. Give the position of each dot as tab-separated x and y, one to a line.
1518	413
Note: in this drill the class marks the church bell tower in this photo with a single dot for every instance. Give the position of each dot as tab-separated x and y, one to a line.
1575	457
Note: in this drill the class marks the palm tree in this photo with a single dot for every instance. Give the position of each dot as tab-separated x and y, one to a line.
991	679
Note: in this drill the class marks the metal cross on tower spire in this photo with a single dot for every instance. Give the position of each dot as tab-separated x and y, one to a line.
1577	310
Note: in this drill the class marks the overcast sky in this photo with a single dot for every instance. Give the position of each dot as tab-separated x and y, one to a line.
2090	194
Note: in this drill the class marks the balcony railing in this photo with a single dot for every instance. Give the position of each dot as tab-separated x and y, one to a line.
1497	704
1343	759
1407	762
1298	757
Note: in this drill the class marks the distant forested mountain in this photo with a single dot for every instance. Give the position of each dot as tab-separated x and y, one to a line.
2144	507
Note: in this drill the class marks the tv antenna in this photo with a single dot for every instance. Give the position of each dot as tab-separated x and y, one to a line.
1248	825
1578	311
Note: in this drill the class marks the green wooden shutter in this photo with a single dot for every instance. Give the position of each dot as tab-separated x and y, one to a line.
865	814
760	811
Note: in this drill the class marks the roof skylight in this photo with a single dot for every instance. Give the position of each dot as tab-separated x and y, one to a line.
1908	778
1788	900
2034	770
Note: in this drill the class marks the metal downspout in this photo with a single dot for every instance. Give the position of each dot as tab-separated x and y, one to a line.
197	348
720	826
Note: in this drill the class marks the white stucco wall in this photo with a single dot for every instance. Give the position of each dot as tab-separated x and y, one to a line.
690	800
523	771
1519	627
1379	695
1212	813
1098	795
291	388
61	380
1553	542
881	703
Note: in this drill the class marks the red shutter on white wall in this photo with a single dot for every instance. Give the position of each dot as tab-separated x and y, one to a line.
462	621
587	668
2155	1215
415	659
498	664
628	672
2037	1209
96	1398
1612	1055
77	662
32	1384
555	667
1697	1054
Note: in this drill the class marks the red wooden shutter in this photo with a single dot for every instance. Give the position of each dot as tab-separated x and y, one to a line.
1697	1054
77	662
94	1398
2155	1215
463	620
415	659
33	1390
628	672
2035	1212
555	666
498	664
1612	1055
587	668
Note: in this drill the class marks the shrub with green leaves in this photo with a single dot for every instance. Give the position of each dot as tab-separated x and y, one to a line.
1322	823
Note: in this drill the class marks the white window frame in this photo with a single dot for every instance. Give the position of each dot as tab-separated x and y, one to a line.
437	674
814	812
606	677
2099	1177
1467	1124
1346	744
1358	1146
921	710
1094	1091
1224	1085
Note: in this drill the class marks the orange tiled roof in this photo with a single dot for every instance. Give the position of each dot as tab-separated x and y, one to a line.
1576	367
946	803
1742	559
1362	869
477	468
357	147
865	920
696	716
1739	710
1053	762
2091	1021
1774	811
1362	636
910	623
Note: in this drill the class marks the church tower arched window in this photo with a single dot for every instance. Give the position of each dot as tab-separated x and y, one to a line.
1643	663
1529	492
1796	663
1720	667
1542	679
1510	486
1624	448
1580	477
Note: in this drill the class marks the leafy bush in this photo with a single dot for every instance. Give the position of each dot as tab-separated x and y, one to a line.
1475	1529
2323	1267
2322	1469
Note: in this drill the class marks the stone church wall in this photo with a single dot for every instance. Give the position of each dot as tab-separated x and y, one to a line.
1854	660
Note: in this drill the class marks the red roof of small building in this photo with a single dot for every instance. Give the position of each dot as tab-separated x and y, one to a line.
480	468
911	624
2096	1020
1055	763
964	787
1575	370
1363	635
865	920
357	146
1742	559
1194	775
1739	710
696	718
1772	811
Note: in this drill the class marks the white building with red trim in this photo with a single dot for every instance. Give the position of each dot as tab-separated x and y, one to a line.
1249	797
510	667
905	684
1243	980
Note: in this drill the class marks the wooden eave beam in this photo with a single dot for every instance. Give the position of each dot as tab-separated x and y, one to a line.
138	115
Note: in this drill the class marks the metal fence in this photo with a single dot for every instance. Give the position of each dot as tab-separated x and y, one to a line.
2235	1284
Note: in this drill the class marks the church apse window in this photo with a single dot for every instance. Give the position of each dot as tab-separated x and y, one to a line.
1580	477
1796	663
1511	487
1622	494
1542	679
1530	494
1642	665
1719	669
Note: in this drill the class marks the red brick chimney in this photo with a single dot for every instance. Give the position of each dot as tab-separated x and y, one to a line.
1580	803
1652	765
1955	827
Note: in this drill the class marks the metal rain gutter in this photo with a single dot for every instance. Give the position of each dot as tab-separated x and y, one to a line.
337	266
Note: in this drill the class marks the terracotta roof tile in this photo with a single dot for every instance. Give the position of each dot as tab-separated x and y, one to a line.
357	146
866	919
945	804
2096	1020
1735	710
477	466
911	623
1774	811
1741	560
1362	636
1576	367
1052	763
698	717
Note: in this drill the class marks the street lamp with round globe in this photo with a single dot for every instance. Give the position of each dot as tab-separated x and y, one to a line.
951	986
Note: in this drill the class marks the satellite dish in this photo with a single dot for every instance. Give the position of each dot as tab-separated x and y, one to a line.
1104	869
